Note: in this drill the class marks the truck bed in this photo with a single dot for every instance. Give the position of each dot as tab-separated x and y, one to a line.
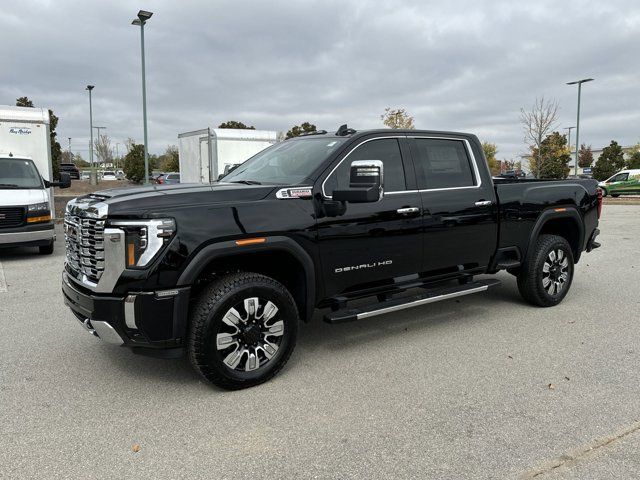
524	202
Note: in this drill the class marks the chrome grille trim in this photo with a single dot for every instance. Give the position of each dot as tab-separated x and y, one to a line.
85	246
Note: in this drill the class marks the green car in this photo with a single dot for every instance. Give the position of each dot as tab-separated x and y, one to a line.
625	182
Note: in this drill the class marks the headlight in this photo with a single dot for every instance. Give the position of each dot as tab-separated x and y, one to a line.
38	212
38	207
145	238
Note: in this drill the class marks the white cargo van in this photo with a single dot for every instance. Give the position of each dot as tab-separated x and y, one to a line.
26	193
206	154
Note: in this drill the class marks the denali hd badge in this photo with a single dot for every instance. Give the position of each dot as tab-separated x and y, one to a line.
382	263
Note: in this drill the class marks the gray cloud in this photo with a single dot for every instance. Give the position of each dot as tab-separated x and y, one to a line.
459	65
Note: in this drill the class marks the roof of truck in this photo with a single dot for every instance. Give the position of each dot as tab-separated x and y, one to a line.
352	133
10	113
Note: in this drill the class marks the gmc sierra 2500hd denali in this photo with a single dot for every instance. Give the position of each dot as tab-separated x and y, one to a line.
225	271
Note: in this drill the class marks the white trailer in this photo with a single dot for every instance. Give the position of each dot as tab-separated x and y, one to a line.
205	153
26	178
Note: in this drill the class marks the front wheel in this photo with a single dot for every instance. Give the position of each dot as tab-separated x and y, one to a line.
546	277
243	330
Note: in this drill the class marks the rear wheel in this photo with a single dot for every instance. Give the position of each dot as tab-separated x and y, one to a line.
243	330
546	277
46	249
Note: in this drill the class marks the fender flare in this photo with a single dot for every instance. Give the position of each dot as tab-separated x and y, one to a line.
554	213
229	248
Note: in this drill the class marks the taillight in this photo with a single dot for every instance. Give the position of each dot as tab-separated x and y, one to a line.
599	201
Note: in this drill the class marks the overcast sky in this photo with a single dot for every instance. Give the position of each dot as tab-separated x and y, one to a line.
455	65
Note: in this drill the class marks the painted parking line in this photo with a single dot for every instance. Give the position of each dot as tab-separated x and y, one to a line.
3	281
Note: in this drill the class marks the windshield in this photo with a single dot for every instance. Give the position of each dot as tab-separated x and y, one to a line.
287	163
19	173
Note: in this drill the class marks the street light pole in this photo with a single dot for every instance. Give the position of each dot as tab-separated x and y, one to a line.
93	178
579	82
569	137
143	16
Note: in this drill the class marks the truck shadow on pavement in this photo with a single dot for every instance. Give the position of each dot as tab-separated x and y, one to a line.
317	336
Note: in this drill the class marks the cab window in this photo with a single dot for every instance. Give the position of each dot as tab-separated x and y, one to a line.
443	164
621	177
386	150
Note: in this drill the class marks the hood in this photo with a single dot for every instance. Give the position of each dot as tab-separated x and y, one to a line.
157	198
11	197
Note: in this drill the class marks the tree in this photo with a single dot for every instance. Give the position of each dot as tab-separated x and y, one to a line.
80	162
398	118
24	102
490	151
234	124
554	155
104	152
56	150
134	163
169	161
634	160
305	127
585	156
129	143
538	123
611	160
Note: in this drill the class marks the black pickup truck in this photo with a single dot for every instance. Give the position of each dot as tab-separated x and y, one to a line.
225	271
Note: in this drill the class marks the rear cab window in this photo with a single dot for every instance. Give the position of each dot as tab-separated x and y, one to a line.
443	163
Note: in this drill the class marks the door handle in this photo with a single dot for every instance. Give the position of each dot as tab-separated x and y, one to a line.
483	203
407	210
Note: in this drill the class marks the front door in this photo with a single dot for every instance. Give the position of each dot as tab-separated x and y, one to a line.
364	243
459	209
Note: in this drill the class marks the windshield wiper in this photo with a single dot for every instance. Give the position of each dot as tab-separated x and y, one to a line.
247	182
9	185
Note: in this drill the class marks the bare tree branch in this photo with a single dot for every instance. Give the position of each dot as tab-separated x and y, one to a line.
537	123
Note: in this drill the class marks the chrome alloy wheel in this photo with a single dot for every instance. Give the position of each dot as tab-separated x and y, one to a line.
252	334
555	272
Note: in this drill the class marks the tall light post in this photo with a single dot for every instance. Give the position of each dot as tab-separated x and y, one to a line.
579	82
93	179
569	137
98	129
143	16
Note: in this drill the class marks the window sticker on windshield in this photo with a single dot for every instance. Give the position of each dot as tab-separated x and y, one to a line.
331	144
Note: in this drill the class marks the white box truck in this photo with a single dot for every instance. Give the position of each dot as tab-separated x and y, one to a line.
26	180
206	154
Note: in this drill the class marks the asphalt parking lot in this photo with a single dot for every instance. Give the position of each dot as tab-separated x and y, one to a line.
481	387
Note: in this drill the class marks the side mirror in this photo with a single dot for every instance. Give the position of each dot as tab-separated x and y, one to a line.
65	181
365	185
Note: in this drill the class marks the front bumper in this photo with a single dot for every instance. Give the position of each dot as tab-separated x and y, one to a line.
141	320
36	234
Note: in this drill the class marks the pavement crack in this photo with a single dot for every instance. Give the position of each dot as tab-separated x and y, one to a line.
576	455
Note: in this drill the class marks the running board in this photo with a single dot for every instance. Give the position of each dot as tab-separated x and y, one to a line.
430	296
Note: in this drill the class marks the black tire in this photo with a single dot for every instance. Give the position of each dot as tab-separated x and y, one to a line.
46	249
615	195
212	316
604	192
547	288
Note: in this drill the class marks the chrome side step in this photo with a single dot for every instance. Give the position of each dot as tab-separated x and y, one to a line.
430	296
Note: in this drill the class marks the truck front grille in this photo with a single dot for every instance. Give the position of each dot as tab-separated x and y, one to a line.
11	217
84	241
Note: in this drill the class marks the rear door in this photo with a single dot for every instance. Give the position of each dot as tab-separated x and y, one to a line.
364	243
460	215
